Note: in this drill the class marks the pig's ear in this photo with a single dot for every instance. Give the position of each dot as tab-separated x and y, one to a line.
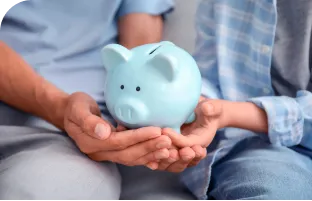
165	65
114	55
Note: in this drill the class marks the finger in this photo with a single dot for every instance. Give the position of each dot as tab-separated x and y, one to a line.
200	154
96	127
186	156
127	138
151	159
152	165
173	157
134	154
121	158
182	140
153	150
117	140
86	115
199	136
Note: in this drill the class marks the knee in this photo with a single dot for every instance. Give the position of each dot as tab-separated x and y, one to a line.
270	192
263	180
57	176
266	191
279	182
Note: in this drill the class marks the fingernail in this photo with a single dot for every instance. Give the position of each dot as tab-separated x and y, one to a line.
186	158
152	166
101	131
162	145
160	155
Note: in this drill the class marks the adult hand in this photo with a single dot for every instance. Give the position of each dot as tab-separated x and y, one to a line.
101	142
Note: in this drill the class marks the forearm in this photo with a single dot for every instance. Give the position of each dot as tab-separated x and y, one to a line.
244	115
22	88
138	29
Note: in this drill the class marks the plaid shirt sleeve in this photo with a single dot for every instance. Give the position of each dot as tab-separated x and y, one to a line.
289	119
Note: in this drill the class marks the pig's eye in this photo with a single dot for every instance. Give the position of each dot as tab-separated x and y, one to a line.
122	87
138	88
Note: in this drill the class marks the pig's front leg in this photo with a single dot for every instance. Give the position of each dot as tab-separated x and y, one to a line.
177	130
191	118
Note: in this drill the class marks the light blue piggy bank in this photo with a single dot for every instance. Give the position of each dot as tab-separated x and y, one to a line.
151	85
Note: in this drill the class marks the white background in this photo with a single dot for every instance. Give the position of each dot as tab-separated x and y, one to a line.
5	5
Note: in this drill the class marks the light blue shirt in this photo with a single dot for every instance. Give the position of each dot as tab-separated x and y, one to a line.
234	52
62	39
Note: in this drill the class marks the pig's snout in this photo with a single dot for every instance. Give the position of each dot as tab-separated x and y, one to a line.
131	111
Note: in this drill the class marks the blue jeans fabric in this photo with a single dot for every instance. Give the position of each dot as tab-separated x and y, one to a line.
256	169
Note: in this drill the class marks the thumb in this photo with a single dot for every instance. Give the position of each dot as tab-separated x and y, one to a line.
210	108
96	127
84	113
92	125
200	136
180	140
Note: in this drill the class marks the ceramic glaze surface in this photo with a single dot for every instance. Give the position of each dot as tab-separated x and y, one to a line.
155	84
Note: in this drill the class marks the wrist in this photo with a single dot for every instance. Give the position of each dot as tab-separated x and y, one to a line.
61	104
244	115
52	103
226	114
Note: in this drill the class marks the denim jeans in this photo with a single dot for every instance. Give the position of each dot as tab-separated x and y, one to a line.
256	169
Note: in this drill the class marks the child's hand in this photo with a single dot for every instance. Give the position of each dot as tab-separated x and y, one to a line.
180	159
209	118
189	148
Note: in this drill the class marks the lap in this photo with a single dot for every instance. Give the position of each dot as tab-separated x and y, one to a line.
255	169
37	163
41	164
140	183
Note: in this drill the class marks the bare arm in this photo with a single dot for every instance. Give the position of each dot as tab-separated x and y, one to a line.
22	88
139	28
244	115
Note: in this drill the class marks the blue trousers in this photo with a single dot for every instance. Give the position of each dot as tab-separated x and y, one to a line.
256	169
38	163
